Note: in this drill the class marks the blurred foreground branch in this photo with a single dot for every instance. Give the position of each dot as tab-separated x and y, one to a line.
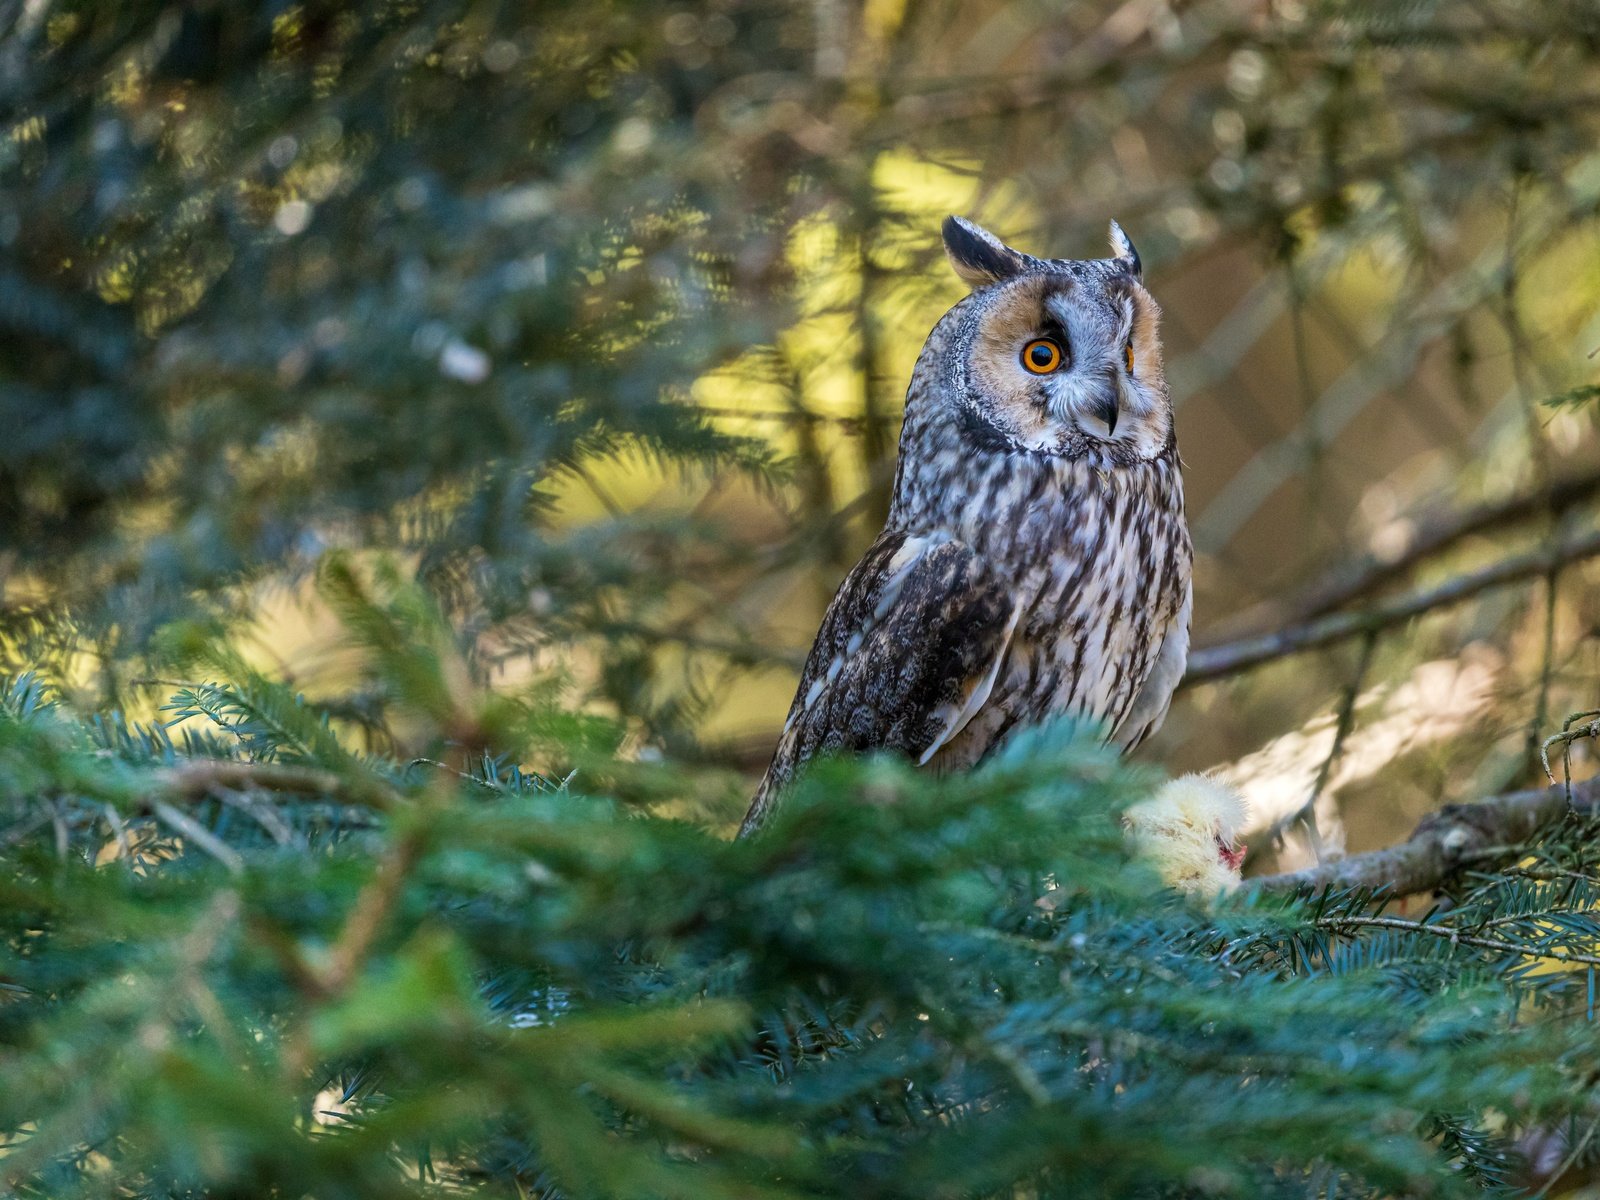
1229	658
1443	842
200	778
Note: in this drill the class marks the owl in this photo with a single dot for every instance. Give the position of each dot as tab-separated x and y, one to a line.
1035	560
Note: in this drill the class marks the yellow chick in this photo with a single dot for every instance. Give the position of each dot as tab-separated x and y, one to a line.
1189	830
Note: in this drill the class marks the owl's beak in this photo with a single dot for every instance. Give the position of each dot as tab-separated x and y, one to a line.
1108	414
1104	402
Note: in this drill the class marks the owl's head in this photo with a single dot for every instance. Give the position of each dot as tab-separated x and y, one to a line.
1054	356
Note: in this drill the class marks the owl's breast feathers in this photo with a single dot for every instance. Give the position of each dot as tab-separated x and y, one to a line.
1098	557
1061	587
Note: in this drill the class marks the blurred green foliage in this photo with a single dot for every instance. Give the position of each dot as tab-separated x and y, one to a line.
287	275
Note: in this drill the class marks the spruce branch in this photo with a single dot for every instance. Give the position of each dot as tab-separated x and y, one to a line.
1455	935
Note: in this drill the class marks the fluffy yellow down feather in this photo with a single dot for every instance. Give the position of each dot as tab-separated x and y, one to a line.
1189	831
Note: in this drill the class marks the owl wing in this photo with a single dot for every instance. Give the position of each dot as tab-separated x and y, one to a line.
1150	703
907	654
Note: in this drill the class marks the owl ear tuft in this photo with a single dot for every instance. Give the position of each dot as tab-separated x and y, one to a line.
1122	247
977	255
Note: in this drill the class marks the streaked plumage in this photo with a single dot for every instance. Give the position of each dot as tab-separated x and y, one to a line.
1035	559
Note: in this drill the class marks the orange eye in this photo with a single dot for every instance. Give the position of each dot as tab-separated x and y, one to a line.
1041	356
1127	356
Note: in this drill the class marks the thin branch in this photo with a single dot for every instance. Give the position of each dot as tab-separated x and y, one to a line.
1230	658
852	426
1431	537
371	911
263	815
1566	737
875	438
200	836
1547	655
1444	841
200	778
1455	936
1569	1162
365	922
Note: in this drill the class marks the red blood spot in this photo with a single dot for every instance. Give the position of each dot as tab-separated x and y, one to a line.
1232	855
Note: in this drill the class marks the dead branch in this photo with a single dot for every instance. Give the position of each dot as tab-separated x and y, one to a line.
1229	658
1432	536
1364	576
1445	841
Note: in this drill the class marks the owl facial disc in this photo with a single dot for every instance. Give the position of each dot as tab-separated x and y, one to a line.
1056	356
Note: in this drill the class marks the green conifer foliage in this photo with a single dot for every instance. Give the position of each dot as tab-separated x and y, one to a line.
259	962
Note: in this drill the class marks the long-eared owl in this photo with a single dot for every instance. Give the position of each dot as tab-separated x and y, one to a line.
1035	560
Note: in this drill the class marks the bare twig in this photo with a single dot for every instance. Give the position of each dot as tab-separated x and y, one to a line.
263	815
448	769
192	685
1547	663
1566	737
1229	658
1569	1162
851	426
1446	840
